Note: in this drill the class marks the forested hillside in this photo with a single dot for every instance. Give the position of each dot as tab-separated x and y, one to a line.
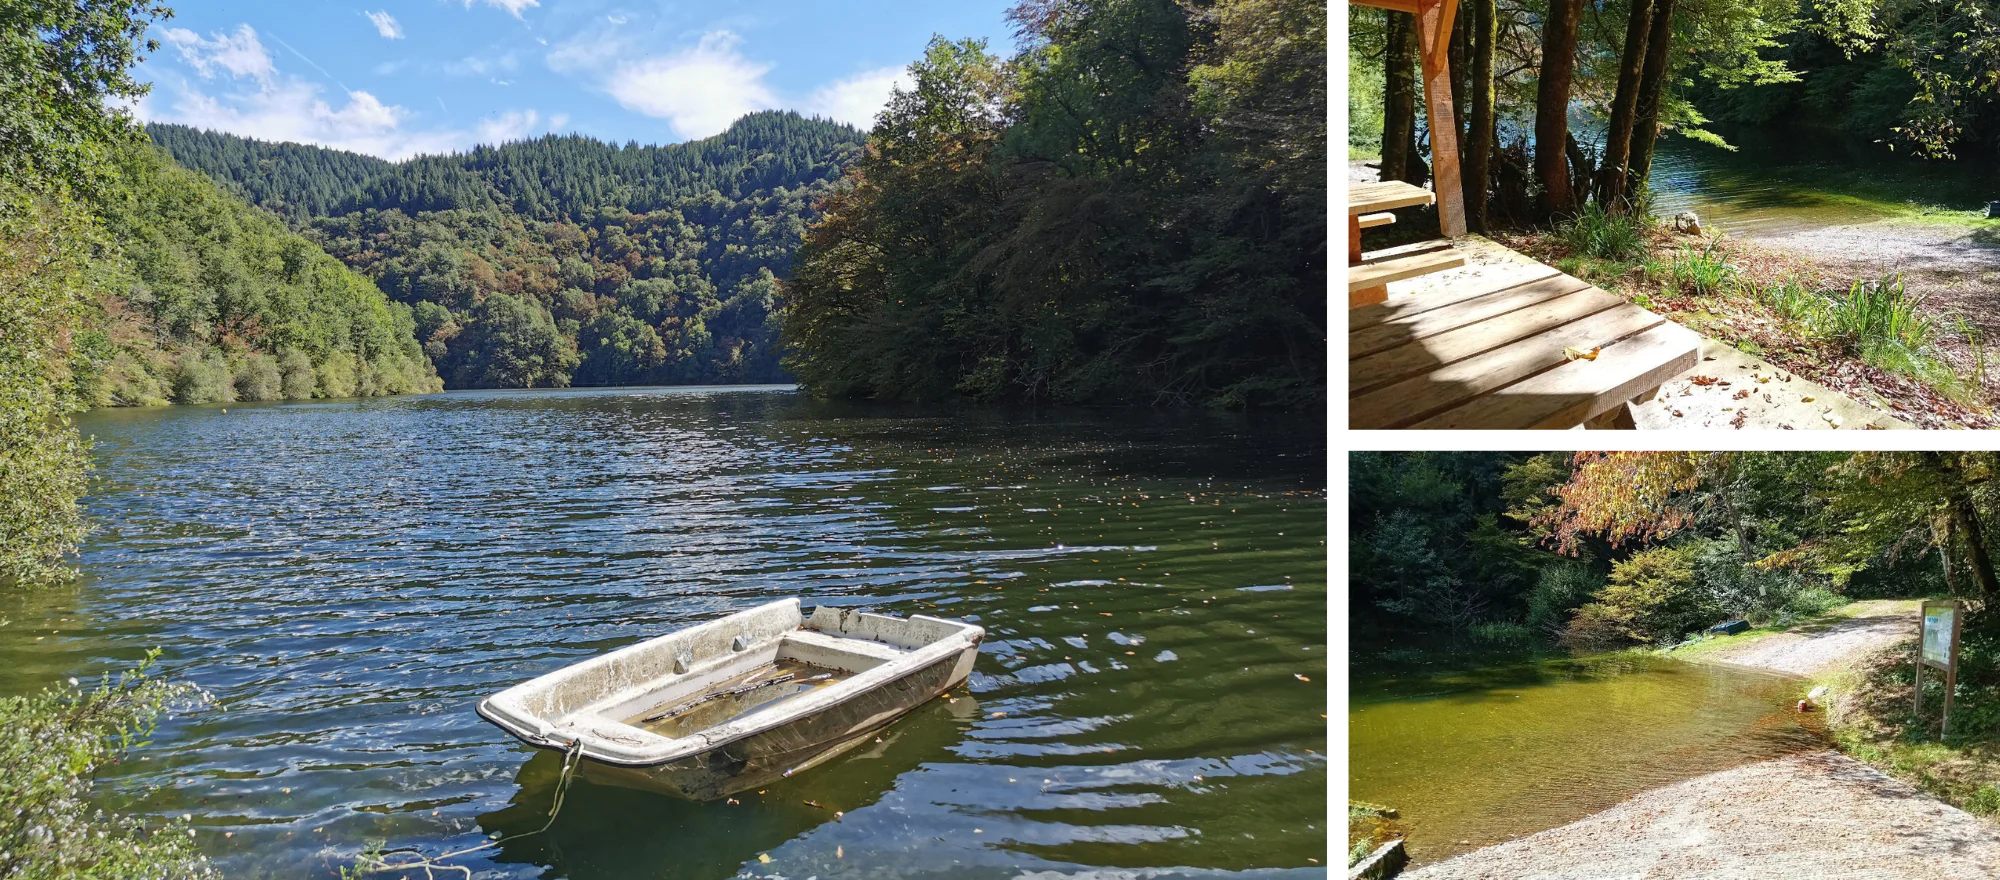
1132	208
563	259
207	299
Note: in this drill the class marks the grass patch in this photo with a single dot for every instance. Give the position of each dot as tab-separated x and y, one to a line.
1870	719
1792	314
1368	827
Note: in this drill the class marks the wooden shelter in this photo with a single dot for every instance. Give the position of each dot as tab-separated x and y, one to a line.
1434	18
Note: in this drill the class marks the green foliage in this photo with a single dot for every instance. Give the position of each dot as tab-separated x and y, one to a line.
1559	589
1880	311
204	293
62	67
1605	234
655	264
1132	209
1503	634
43	463
510	343
51	744
1650	597
1702	272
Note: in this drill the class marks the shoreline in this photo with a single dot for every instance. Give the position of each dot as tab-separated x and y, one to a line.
1822	813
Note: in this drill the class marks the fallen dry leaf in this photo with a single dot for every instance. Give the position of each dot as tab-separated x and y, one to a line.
1571	352
1703	381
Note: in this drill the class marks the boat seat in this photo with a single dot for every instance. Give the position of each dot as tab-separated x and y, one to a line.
807	644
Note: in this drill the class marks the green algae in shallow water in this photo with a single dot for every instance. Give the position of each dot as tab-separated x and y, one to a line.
1472	755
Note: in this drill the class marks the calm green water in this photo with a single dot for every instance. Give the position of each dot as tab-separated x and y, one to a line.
1475	755
350	578
1780	180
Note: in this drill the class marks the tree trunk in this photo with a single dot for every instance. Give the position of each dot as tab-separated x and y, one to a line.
1479	140
1552	105
1624	106
1461	37
1965	519
1400	160
1652	88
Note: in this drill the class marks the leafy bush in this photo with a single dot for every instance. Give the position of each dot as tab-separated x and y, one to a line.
1650	597
1606	235
1809	603
258	377
44	246
203	378
50	745
1561	587
299	381
1703	272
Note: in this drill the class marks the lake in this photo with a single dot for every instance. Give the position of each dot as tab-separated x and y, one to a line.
349	578
1780	180
1474	751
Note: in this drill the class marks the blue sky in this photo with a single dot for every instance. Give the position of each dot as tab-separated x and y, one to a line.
395	79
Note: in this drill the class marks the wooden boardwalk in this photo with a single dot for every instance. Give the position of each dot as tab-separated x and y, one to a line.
1506	342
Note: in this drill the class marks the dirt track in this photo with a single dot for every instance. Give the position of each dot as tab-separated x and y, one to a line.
1812	648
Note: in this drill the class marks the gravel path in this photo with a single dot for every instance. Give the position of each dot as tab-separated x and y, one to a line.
1820	815
1809	649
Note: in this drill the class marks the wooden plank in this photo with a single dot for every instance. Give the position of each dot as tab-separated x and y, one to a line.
1367	296
1370	221
1454	387
1382	337
1576	391
1409	6
1434	19
1490	280
1380	270
1369	198
1455	345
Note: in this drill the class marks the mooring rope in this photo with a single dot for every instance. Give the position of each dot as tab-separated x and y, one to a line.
380	864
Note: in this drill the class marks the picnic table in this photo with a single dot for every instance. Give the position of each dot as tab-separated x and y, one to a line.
1507	342
1368	275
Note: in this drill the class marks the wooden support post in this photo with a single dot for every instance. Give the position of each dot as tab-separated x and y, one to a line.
1434	19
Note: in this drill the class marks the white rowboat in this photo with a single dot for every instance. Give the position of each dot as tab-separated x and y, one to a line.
735	703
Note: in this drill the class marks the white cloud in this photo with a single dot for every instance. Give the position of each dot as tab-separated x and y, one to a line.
385	24
700	91
856	99
257	100
241	54
512	6
512	125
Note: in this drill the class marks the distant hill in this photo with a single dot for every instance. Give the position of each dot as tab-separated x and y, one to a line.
562	259
206	299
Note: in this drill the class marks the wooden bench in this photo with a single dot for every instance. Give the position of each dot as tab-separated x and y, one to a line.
1493	345
1368	206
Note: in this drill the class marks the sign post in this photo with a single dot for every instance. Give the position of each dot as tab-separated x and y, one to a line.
1937	647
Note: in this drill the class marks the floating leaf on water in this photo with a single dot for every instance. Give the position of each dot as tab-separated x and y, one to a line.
1300	677
764	858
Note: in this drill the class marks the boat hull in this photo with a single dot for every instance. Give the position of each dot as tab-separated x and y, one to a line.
766	757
